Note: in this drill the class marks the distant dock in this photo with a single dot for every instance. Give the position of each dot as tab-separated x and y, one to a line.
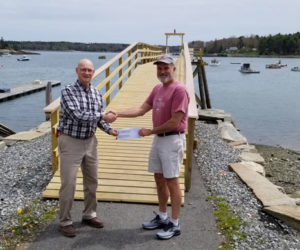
26	89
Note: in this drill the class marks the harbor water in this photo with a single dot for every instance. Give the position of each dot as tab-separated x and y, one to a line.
265	106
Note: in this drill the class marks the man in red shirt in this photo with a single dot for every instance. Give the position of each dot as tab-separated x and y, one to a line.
169	103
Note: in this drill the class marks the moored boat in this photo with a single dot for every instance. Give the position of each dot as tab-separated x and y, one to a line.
23	58
245	68
296	68
277	65
214	62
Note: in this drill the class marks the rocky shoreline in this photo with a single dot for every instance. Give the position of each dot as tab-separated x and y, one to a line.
263	231
282	167
25	170
17	52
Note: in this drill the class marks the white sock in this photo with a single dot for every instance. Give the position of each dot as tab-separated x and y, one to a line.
175	222
163	215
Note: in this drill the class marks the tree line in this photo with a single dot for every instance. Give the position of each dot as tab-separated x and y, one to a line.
65	46
279	44
62	46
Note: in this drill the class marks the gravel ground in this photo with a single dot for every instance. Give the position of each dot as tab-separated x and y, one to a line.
264	231
25	170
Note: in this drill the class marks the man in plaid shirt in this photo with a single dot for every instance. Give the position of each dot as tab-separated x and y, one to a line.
81	114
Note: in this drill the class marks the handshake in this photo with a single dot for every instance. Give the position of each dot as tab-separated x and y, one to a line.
109	116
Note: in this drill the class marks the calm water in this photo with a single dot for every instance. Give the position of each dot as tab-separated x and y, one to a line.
265	106
24	113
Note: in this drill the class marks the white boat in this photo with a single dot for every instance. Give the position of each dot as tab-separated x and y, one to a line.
245	68
214	62
296	68
23	58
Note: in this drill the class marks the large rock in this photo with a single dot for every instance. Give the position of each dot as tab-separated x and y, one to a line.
23	136
246	148
214	114
2	145
255	167
263	189
289	214
296	194
229	133
255	157
44	127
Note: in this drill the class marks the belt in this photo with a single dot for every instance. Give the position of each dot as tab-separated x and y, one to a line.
170	133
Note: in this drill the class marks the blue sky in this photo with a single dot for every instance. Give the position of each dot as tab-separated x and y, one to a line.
130	21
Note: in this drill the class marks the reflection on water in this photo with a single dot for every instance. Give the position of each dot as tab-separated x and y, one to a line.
265	106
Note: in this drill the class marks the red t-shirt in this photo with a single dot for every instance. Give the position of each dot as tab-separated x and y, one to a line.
166	100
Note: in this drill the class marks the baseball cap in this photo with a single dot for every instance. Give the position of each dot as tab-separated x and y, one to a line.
165	59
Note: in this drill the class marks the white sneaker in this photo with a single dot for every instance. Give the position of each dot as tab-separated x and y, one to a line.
155	223
169	231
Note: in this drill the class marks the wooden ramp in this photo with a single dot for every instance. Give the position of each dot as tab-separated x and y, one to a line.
123	165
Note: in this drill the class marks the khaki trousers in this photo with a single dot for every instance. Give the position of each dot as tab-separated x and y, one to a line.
73	154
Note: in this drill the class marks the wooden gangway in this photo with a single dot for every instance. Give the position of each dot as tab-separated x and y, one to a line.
123	164
26	89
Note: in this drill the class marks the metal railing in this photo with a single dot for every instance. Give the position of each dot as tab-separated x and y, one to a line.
115	73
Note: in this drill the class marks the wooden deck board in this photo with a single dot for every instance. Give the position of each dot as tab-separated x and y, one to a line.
122	173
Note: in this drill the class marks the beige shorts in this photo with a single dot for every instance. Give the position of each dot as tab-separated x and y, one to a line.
166	155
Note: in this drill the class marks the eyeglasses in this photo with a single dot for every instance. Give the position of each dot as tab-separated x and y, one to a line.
86	70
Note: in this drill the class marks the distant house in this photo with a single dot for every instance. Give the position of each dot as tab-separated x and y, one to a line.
232	49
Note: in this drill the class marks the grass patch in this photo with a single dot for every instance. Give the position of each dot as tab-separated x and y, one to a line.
27	223
228	223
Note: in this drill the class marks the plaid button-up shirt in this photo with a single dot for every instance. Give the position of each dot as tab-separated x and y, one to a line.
81	111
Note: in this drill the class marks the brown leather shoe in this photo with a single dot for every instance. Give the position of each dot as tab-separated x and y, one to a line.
68	231
94	222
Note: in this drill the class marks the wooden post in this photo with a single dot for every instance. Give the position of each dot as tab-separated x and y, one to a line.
201	88
207	98
143	54
129	63
167	44
48	98
136	57
121	72
189	153
107	72
55	157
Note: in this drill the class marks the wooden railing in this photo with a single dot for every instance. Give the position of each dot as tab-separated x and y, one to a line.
192	115
116	71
